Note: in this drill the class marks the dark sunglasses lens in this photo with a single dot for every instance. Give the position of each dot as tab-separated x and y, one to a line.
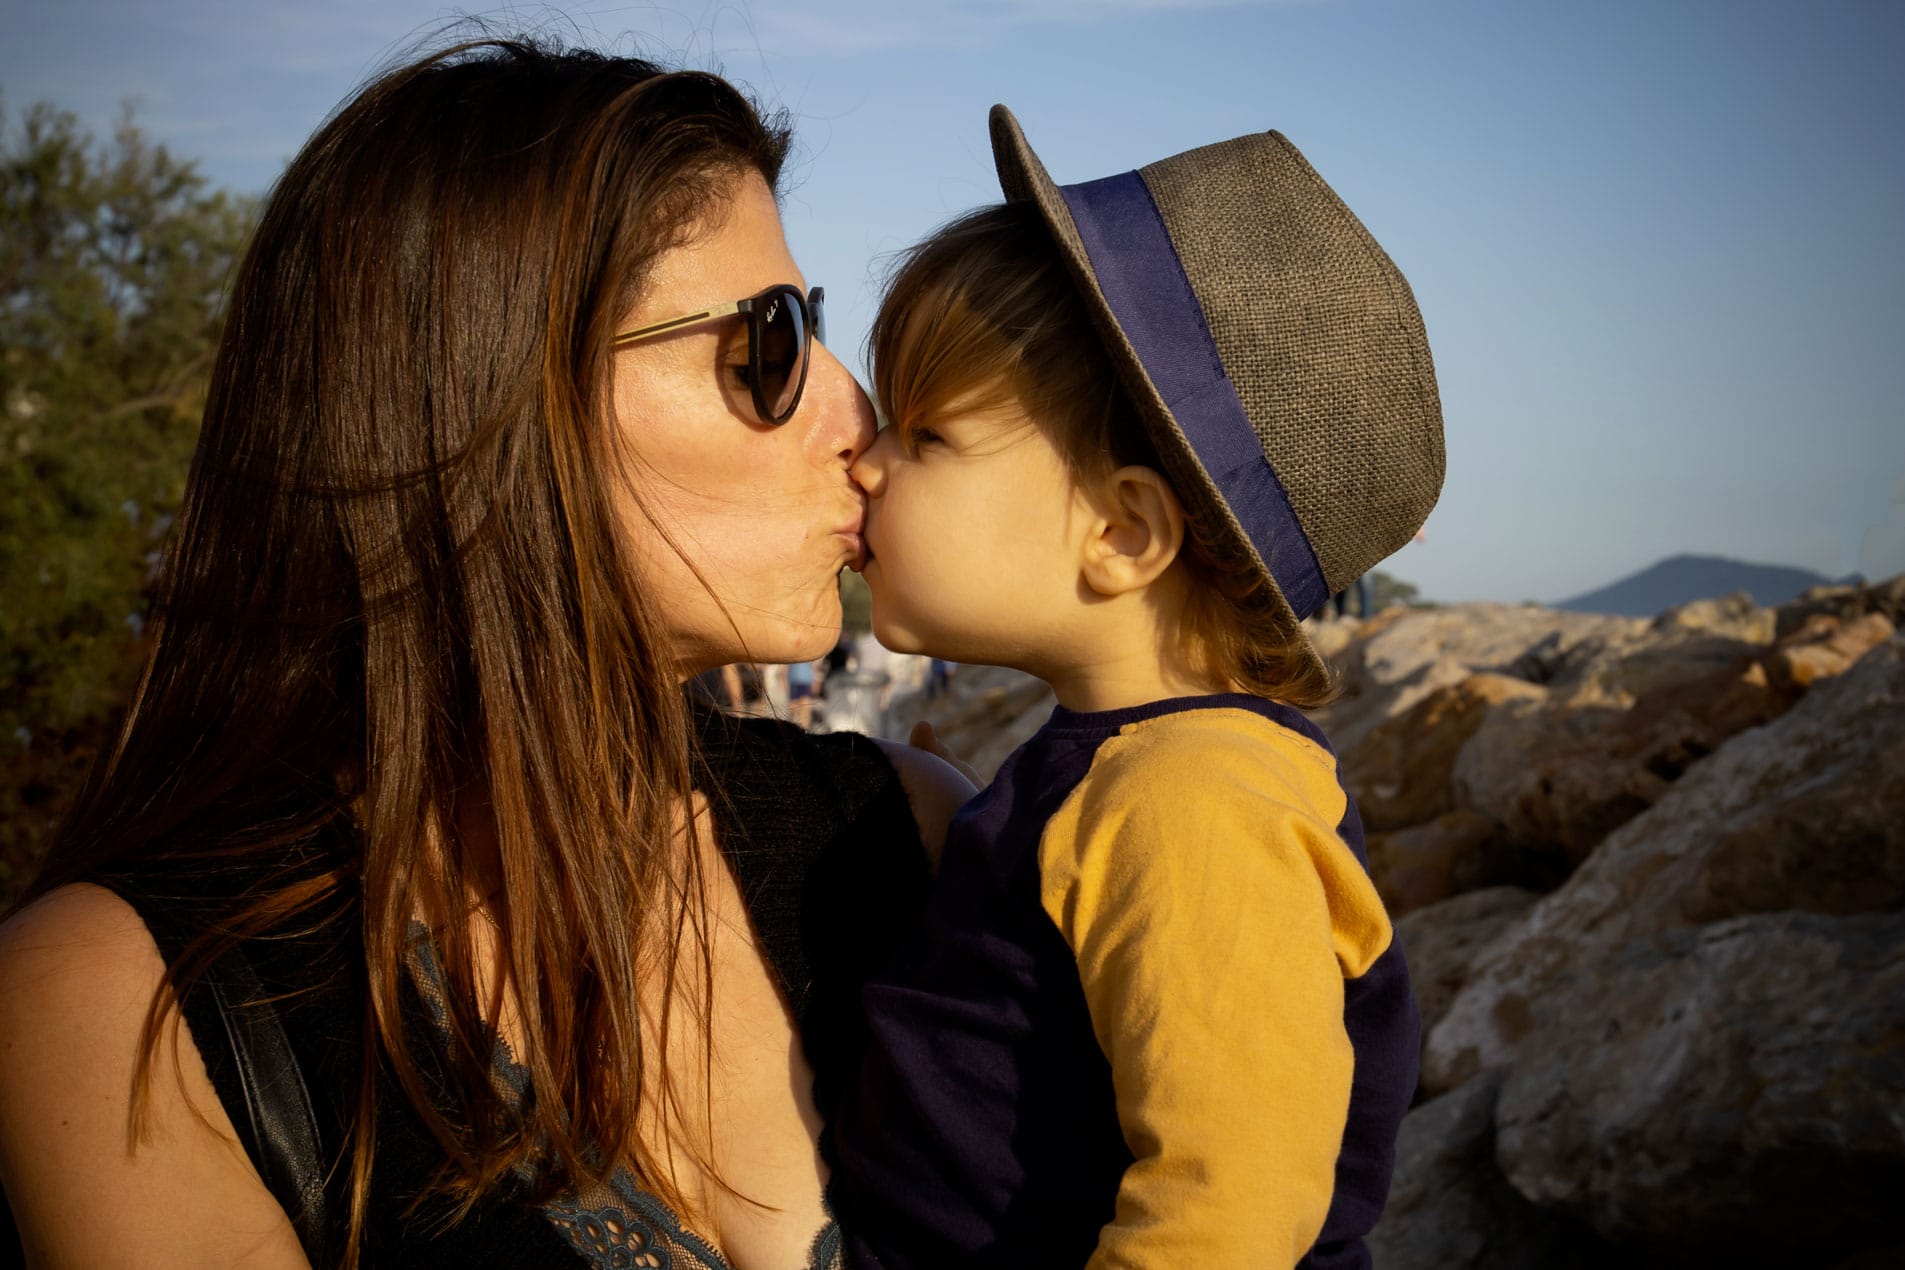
782	335
817	314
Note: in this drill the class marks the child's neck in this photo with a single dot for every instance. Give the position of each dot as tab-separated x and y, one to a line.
1137	682
1131	653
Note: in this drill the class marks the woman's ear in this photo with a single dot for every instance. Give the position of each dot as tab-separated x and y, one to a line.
1137	531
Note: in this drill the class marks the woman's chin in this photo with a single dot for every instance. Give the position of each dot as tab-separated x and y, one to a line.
781	631
808	637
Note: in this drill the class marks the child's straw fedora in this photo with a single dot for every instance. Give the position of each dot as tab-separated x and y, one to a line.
1274	351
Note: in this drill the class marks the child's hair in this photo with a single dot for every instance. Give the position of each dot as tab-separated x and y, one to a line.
983	315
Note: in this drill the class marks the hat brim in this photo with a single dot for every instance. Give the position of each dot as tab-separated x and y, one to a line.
1023	178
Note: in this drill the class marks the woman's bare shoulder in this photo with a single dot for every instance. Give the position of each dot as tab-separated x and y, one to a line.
78	969
935	789
79	923
70	963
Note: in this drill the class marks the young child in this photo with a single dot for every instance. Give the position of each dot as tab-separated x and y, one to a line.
1155	1015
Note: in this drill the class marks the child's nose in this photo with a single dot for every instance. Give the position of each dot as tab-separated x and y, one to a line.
869	470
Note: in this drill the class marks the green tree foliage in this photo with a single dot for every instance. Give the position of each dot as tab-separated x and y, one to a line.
113	261
856	603
1388	591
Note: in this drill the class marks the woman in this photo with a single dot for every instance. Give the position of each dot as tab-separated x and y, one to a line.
493	461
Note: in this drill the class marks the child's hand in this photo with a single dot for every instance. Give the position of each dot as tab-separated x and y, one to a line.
924	738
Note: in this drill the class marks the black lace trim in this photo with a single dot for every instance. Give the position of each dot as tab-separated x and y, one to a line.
641	1233
608	1238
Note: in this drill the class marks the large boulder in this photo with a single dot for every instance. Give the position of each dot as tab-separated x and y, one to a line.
1622	661
1443	942
1585	660
1734	1092
1450	1208
1331	639
1426	864
1734	616
1844	603
1826	646
1399	771
1400	656
1562	772
1543	772
1804	813
1665	653
1561	775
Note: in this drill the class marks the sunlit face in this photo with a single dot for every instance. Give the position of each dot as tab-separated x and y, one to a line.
973	540
766	515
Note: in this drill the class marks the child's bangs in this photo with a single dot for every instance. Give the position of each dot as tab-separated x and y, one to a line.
952	328
938	357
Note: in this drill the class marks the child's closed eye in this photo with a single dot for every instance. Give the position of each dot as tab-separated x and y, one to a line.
913	439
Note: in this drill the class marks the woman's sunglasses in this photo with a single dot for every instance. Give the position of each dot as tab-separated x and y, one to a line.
782	325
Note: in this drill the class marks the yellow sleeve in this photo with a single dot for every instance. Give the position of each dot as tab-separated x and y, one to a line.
1198	877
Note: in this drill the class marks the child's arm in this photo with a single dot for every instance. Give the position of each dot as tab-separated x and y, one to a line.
1214	913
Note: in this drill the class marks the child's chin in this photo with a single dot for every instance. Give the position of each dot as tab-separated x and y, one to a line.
897	637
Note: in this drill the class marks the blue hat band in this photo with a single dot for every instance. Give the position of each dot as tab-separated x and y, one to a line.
1143	280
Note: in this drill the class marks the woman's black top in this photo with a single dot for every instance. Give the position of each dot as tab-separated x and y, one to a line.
827	854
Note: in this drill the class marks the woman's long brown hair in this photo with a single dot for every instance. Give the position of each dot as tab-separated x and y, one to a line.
398	579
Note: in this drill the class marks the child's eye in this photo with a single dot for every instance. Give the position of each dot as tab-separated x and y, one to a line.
915	438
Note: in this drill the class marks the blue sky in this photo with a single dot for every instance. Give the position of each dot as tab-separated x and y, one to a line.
1657	244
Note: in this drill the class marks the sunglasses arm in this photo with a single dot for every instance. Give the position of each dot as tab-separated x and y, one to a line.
672	324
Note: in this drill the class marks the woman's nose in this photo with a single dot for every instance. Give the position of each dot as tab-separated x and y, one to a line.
843	422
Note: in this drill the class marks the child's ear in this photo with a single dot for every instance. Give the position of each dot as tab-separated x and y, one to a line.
1137	531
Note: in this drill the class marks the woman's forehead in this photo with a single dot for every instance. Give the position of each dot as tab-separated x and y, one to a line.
739	249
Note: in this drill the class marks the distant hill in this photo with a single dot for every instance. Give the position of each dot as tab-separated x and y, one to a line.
1679	580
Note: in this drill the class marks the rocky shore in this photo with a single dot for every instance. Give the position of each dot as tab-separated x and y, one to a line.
1650	877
